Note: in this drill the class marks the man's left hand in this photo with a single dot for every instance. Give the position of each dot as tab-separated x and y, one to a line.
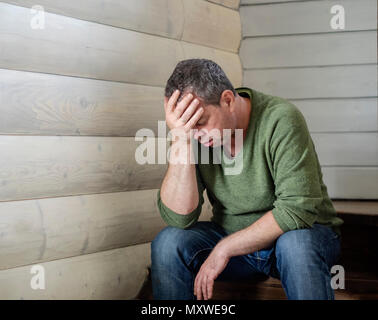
215	263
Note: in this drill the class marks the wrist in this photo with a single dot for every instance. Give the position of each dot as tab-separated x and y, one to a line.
223	249
181	152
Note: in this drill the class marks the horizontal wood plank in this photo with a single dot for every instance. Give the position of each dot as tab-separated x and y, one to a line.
335	115
156	18
204	24
348	149
48	166
368	208
306	17
315	82
113	274
34	231
147	16
351	182
315	50
69	46
60	105
45	104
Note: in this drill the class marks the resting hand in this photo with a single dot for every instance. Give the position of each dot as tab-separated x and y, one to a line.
213	266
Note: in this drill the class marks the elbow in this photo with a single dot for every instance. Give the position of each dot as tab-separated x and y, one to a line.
293	218
174	219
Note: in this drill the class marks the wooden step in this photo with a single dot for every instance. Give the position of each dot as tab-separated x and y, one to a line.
359	212
357	287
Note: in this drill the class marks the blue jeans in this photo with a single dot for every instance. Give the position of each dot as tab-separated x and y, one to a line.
301	259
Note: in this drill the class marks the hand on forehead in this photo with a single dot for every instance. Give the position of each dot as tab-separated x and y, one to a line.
185	93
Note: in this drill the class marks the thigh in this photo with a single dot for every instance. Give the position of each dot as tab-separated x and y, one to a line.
206	236
304	258
187	243
301	246
194	245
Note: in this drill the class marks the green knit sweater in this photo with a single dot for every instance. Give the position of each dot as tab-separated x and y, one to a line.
280	172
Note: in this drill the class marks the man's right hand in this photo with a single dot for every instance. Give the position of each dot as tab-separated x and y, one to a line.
181	118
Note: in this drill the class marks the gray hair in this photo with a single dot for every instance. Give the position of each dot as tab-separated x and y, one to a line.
202	77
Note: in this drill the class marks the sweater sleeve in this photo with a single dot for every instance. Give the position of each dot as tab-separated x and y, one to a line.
175	219
295	171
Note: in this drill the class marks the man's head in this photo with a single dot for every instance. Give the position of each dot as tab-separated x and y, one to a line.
206	81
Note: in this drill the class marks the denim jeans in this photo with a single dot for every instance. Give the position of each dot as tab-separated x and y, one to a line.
301	259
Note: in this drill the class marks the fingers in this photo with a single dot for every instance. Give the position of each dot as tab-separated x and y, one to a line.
169	104
193	120
182	105
204	288
210	284
197	287
189	111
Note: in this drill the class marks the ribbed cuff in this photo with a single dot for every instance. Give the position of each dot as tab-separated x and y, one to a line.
285	221
173	218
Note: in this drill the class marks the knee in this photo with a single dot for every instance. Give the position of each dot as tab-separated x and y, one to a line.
166	244
297	247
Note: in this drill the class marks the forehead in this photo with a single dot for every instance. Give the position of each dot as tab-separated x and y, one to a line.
208	109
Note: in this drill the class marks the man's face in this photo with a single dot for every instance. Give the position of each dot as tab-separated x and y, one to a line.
211	124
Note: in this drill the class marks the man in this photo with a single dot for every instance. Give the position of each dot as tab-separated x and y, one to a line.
274	217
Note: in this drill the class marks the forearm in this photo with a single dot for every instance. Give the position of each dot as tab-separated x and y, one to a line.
179	190
259	235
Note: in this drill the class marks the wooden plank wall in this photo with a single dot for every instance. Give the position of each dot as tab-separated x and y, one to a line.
290	50
72	97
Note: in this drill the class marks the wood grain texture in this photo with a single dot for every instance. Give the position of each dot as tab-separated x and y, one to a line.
113	274
234	4
211	25
43	104
335	115
162	18
306	17
315	50
315	82
290	50
69	46
347	149
34	231
351	182
47	166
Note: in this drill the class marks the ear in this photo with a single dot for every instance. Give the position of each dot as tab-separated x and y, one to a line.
228	100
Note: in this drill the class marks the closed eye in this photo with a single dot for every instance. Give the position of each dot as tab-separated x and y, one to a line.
201	123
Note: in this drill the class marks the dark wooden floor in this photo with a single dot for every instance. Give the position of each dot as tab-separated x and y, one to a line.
357	287
359	257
